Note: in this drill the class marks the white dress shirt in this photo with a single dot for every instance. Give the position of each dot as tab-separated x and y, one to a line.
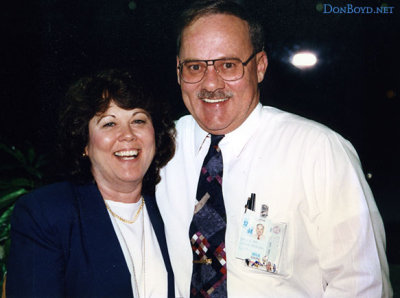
311	179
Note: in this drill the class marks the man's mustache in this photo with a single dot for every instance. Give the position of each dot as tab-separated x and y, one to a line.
218	94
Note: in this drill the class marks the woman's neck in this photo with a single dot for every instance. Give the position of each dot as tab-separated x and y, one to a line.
131	194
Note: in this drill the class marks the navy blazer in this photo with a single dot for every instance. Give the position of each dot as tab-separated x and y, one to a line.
63	244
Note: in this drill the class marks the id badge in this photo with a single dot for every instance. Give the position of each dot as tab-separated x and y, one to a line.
260	242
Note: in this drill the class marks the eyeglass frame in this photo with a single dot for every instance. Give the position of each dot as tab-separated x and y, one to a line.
213	64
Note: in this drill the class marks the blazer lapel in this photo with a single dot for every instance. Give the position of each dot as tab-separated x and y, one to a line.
158	226
102	246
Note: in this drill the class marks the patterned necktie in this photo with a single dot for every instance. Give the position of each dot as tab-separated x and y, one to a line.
207	230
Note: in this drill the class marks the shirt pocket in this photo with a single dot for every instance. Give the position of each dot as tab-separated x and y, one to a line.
285	263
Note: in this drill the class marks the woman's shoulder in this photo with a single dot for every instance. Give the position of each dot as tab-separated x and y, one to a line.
57	190
57	198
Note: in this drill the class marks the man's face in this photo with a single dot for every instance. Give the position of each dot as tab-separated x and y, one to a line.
219	106
260	230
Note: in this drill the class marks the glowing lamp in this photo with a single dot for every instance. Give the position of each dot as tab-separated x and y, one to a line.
304	60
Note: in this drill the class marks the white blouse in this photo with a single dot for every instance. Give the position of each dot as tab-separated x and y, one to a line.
141	250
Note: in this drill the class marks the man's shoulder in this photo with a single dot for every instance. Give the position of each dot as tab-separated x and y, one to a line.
185	122
185	128
282	120
298	130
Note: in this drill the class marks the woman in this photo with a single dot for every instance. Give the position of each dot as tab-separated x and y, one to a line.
99	234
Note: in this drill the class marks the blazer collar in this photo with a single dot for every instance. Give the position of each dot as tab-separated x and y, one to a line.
158	226
101	241
102	247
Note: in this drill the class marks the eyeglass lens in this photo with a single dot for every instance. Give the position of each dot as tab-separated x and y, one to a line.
229	69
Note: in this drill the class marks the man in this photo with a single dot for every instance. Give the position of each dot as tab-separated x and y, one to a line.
259	231
325	234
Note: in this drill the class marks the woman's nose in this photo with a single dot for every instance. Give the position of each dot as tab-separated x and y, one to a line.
127	133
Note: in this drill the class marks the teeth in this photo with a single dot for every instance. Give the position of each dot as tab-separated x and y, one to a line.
129	153
215	100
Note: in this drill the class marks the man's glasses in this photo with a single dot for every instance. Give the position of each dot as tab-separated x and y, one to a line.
229	69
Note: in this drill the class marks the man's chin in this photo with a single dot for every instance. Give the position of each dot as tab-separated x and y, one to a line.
219	128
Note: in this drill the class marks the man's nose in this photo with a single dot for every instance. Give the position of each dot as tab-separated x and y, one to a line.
212	80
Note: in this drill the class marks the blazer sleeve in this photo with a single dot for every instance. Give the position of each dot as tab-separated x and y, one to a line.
36	262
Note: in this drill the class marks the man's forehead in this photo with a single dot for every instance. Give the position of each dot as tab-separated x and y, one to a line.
215	22
215	33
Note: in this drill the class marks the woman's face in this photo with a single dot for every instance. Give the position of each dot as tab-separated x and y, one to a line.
121	146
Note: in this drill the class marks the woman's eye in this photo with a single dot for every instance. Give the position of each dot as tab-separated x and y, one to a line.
139	121
109	124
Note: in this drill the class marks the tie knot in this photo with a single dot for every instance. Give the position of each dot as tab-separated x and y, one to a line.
215	139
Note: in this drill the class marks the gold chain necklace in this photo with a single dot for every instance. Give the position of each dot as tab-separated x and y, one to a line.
143	245
123	219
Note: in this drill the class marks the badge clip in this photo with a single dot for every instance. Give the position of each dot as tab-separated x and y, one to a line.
203	261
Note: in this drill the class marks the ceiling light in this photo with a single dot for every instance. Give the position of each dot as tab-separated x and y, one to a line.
304	60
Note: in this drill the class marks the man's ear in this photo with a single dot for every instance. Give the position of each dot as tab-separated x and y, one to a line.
178	77
262	64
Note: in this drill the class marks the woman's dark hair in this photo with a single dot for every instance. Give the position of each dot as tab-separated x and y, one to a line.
92	95
201	8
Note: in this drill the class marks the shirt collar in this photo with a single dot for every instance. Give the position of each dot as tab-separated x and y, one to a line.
238	138
200	137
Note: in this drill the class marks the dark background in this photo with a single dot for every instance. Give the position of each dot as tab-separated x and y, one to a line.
354	89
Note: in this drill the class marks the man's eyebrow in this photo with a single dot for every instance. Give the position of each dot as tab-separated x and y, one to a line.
198	60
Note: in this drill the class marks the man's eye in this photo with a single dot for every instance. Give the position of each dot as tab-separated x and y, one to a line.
194	67
229	65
